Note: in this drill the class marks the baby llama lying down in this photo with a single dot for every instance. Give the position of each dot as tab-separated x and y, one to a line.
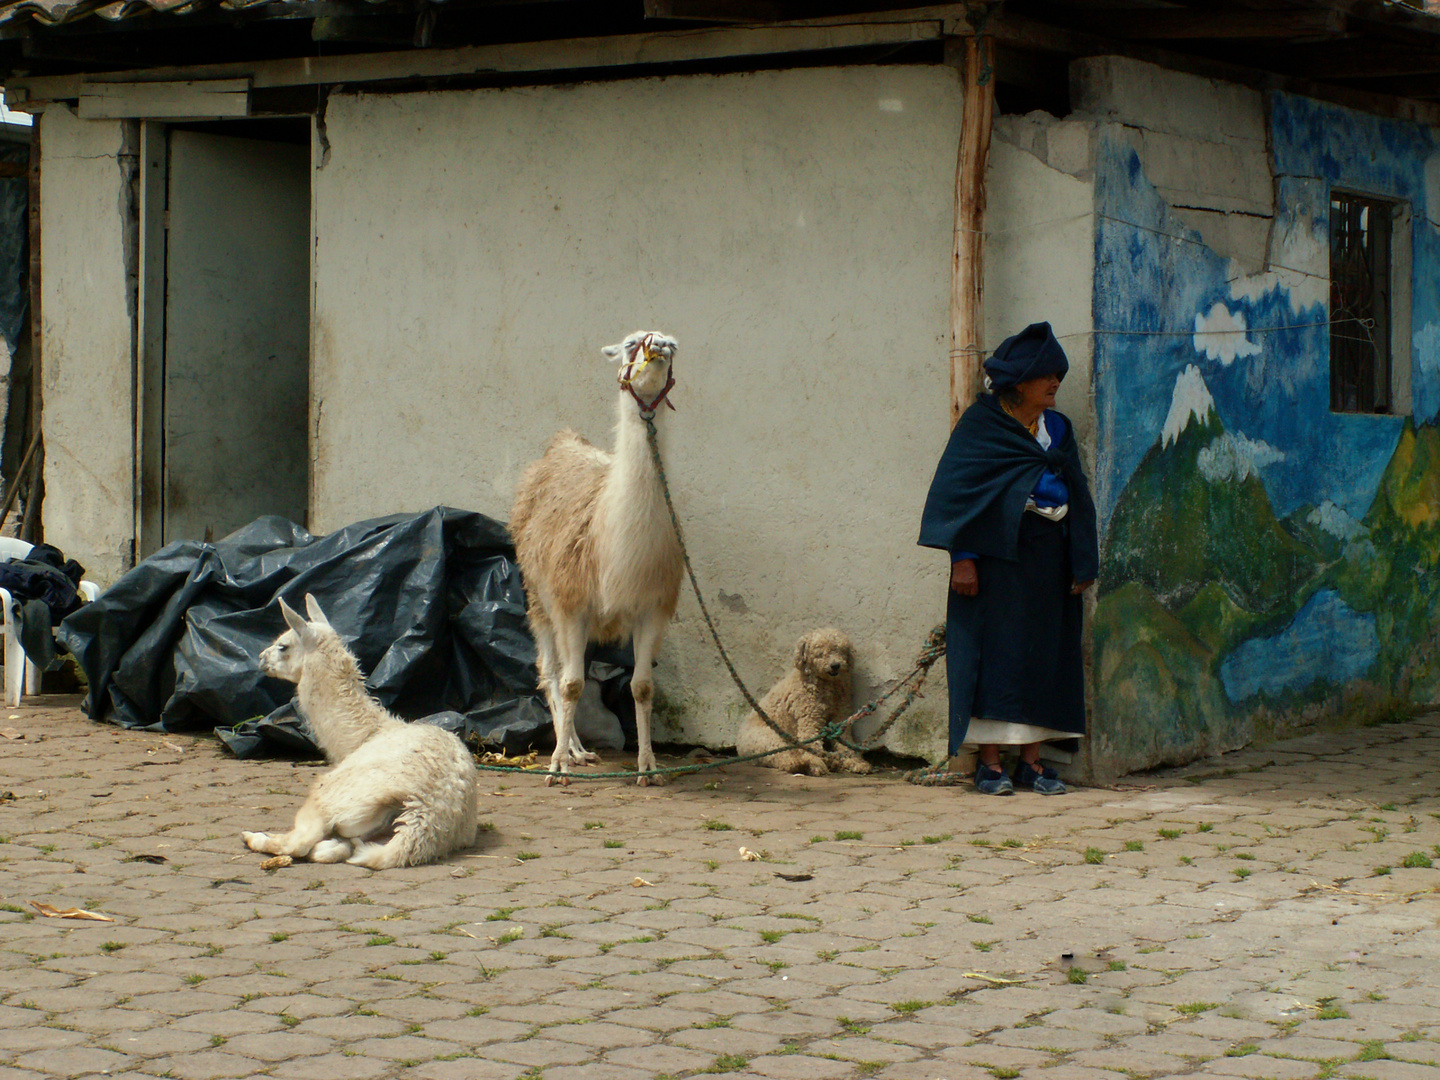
815	693
399	794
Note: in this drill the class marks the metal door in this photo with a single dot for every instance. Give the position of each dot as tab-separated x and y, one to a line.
237	335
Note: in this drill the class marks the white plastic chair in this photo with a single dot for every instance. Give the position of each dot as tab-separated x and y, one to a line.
20	673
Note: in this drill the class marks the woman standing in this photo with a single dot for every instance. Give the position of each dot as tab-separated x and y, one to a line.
1011	505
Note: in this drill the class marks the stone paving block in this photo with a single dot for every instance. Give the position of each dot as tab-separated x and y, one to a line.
726	1041
592	1070
798	1067
542	1052
1389	1070
405	1048
206	1065
158	1042
15	1042
331	1066
659	1058
1261	1067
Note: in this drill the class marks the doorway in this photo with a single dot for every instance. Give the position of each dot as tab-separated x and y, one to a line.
225	340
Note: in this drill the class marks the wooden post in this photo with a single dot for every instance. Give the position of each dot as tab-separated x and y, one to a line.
967	277
32	524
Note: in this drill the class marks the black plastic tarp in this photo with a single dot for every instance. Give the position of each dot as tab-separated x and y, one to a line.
431	604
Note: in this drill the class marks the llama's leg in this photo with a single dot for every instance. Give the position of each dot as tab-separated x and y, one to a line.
548	665
545	663
570	642
309	829
331	850
648	635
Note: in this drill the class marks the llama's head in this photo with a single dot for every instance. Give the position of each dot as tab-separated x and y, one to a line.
825	654
285	659
646	358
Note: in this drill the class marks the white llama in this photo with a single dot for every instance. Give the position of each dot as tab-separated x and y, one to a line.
399	795
598	550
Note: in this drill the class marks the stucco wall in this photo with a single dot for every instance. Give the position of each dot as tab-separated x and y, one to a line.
86	343
791	229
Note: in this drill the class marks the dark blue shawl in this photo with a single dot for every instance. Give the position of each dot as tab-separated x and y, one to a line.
989	468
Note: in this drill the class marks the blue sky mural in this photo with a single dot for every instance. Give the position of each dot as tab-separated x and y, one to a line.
1164	301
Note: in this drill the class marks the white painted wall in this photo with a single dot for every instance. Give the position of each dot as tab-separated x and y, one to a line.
1040	256
86	344
792	230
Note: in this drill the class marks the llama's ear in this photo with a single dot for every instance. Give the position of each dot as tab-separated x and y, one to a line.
613	352
292	618
312	606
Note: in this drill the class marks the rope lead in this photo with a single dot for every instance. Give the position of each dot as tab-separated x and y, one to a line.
934	649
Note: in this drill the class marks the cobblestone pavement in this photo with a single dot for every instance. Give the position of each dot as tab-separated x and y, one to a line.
1270	914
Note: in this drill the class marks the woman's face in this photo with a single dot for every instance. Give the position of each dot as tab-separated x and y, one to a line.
1038	393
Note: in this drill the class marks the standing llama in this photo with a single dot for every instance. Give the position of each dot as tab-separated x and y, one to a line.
598	550
400	794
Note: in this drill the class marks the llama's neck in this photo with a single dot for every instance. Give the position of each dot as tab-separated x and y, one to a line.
633	478
341	713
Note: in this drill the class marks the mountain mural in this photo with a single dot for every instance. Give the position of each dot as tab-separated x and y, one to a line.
1195	514
1394	574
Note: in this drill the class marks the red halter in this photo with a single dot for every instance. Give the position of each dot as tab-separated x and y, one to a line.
628	373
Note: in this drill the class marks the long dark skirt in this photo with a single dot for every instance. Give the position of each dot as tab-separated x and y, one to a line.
1012	652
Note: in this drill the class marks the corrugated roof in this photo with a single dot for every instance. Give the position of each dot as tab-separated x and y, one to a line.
56	12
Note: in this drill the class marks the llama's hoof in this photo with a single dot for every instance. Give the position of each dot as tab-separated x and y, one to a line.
557	778
255	841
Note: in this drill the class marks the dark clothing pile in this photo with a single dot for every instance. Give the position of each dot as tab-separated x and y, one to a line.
44	587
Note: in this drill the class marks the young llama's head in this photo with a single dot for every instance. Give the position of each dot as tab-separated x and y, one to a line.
646	360
285	659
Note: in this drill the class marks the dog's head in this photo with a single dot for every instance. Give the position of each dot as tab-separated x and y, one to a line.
824	654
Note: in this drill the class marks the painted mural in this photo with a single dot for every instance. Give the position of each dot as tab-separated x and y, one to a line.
1266	562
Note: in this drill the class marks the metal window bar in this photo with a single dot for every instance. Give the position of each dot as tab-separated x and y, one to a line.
1359	303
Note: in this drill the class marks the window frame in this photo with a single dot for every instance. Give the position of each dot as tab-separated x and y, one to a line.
1383	389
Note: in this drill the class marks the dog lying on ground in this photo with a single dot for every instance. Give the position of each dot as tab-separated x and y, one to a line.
399	794
816	692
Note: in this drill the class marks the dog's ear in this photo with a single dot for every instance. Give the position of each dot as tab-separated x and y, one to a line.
802	652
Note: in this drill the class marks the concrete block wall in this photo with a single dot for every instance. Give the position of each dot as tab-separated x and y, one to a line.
86	341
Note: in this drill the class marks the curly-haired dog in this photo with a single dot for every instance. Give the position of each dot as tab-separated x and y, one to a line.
815	693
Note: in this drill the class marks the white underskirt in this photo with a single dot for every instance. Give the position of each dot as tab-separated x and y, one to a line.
1006	733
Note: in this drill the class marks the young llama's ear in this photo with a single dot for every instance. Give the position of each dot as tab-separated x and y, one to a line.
316	615
293	619
613	353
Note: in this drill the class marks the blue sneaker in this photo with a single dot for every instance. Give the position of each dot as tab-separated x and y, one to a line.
1043	781
991	780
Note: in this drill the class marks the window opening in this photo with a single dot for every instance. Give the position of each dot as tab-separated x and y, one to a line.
1360	303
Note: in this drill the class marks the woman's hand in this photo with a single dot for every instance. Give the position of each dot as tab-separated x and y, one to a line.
964	578
1079	587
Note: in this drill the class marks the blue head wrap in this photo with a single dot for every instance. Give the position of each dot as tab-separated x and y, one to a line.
1027	355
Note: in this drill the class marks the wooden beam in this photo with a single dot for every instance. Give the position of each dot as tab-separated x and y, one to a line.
721	11
214	100
578	54
1028	33
967	275
1226	25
